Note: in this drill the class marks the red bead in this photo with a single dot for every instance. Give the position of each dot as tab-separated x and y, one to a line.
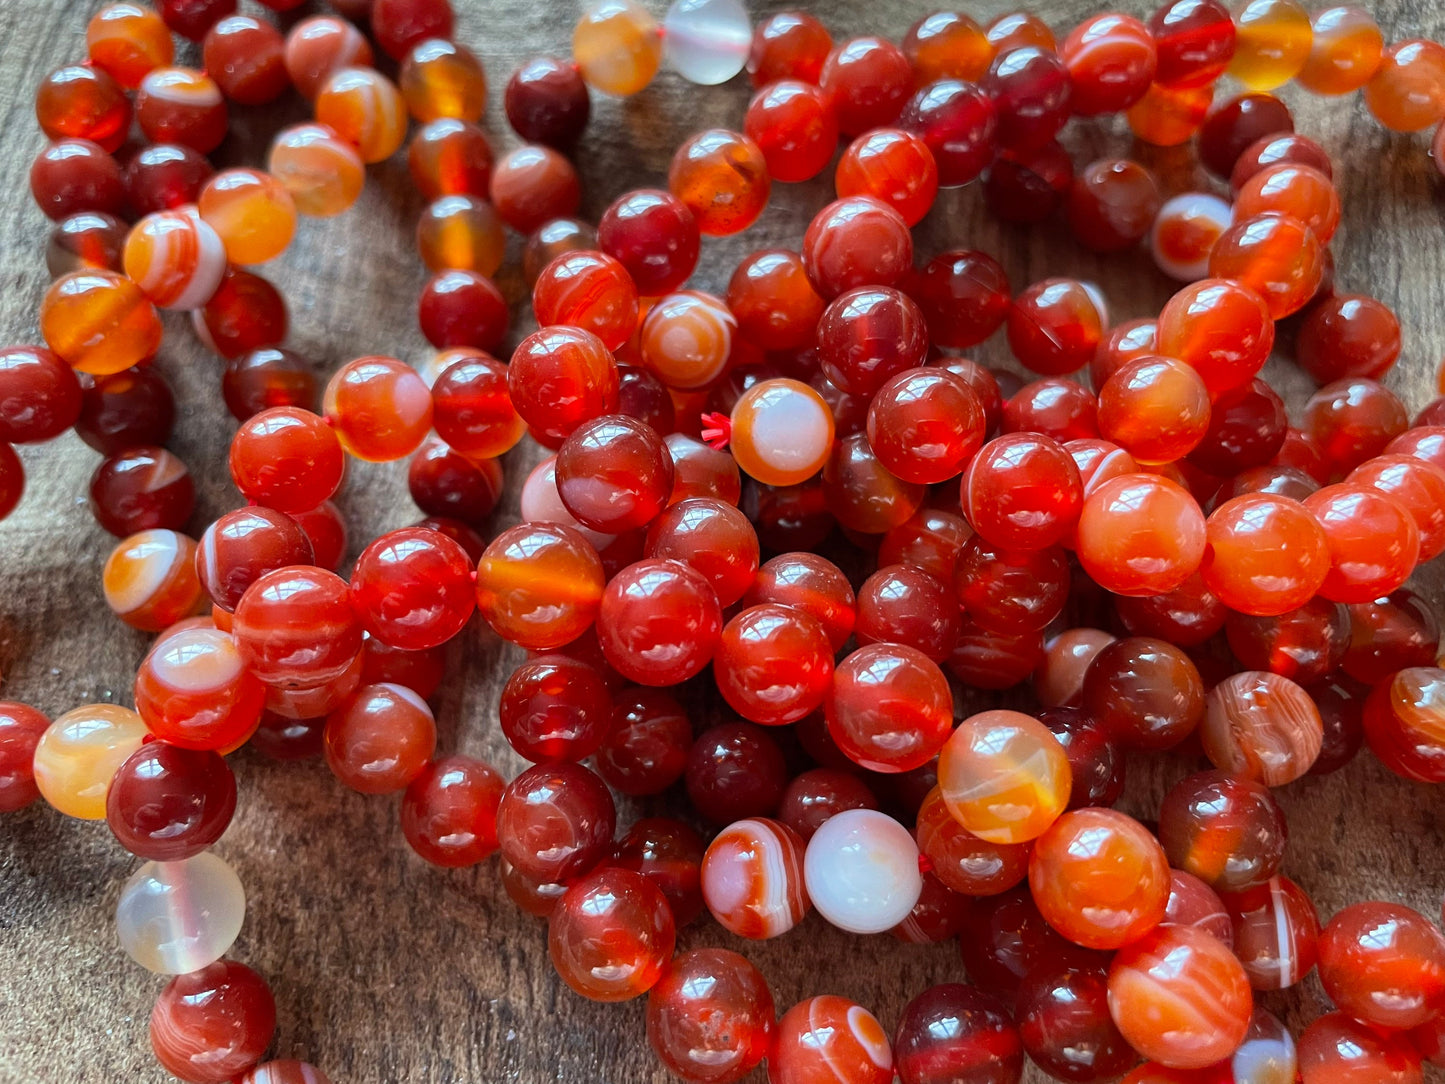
955	1032
380	740
964	296
925	424
182	105
265	378
1372	539
588	290
1223	330
890	708
854	242
555	708
546	101
245	58
1022	491
826	1037
141	489
297	625
812	585
614	474
398	25
1276	256
412	588
1276	933
245	313
1113	204
244	545
1335	1048
735	770
655	238
287	459
560	377
710	1018
20	730
458	307
533	185
788	45
1236	125
712	537
212	1025
449	812
1055	407
867	79
611	935
83	102
722	178
958	123
450	157
555	822
40	396
1195	42
1032	93
76	175
646	748
1055	326
669	854
1227	831
1272	150
868	335
775	305
167	804
192	18
773	666
792	123
1111	59
1384	964
659	622
1063	1020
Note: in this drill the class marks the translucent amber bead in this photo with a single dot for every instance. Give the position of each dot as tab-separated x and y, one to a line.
1276	256
176	258
461	232
1004	776
1345	51
323	172
1296	190
178	917
99	321
1272	42
947	45
443	79
618	47
722	177
1140	534
150	579
126	41
1407	92
79	753
363	107
253	213
539	585
81	102
379	407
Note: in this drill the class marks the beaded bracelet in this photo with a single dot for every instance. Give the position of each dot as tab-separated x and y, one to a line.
821	377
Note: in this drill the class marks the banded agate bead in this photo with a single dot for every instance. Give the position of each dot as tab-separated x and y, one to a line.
753	878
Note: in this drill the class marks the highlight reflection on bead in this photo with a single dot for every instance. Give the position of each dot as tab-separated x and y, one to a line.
175	917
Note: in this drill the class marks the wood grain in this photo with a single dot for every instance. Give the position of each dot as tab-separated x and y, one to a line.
384	969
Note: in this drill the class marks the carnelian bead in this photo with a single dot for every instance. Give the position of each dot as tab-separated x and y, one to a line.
245	57
20	729
1004	776
1261	726
1373	542
1407	91
380	740
539	585
867	79
1155	408
1056	407
1348	335
83	102
1017	30
1194	40
211	1026
947	45
450	157
1267	555
1278	149
1111	60
251	211
1055	326
891	165
530	186
74	176
442	79
364	108
710	1018
1180	997
1272	42
614	474
245	313
127	40
449	812
379	408
722	177
1403	724
773	665
99	322
182	105
398	25
1419	486
611	935
711	536
1010	592
1384	964
1140	534
812	585
618	47
856	241
1230	130
687	339
461	232
828	1036
793	126
1345	52
889	708
860	491
286	458
655	238
1099	878
1350	421
659	622
1031	91
772	300
735	770
588	290
1335	1048
318	47
1295	190
788	45
958	123
560	377
194	690
1169	116
546	101
1304	645
1144	692
1022	491
701	471
471	409
297	625
925	425
869	335
963	861
903	605
1275	255
1222	329
412	589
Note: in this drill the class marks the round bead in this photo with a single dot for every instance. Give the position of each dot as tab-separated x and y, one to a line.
710	1018
149	579
40	396
99	322
611	935
788	45
1345	51
440	78
781	432
659	622
955	1032
182	105
539	585
546	102
194	691
449	811
555	822
1407	92
829	1039
1266	554
1384	964
364	108
178	917
379	408
318	47
890	708
1185	231
287	459
126	41
706	41
412	589
79	753
861	871
1261	726
722	177
1004	775
252	212
560	377
841	232
213	1024
176	258
1140	534
1372	540
1272	43
166	803
617	46
297	625
753	880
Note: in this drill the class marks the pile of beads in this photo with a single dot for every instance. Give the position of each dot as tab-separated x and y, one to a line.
1158	558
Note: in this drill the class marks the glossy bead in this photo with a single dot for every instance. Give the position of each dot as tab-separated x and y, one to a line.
1261	726
772	300
252	212
617	46
1022	491
297	624
829	1039
1185	232
710	1018
1384	964
1140	534
1099	878
1276	256
178	917
588	290
83	102
176	258
379	408
1111	60
781	432
788	45
546	101
1059	680
318	47
412	589
1005	777
735	770
614	474
722	178
77	755
1267	554
1032	91
654	236
1403	725
149	579
442	79
555	708
1275	933
659	622
555	821
245	57
471	408
1237	124
533	185
460	232
955	1032
539	585
40	396
167	803
380	740
1194	903
1221	329
560	377
182	105
889	708
141	489
21	727
907	606
867	79
1348	335
947	45
964	297
706	41
1292	189
1146	693
667	853
844	229
752	878
963	861
75	176
1345	51
645	750
125	410
245	313
1407	91
126	41
611	935
399	25
1180	997
793	125
1352	420
773	665
1194	41
194	691
449	811
1063	1020
1272	43
1055	326
364	108
701	471
812	585
450	157
99	322
286	458
213	1024
1335	1048
957	123
1371	537
861	870
1112	205
1303	645
1227	831
868	335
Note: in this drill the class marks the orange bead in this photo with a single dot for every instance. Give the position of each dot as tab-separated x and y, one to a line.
1374	543
687	338
1295	190
1276	256
1407	93
1155	408
363	107
252	211
1271	44
947	45
1004	776
618	46
99	322
442	79
323	173
1140	534
380	408
318	47
893	166
1017	30
79	753
1100	878
1345	52
81	102
539	585
150	580
723	178
1267	554
782	432
1169	116
1222	329
175	258
461	233
126	40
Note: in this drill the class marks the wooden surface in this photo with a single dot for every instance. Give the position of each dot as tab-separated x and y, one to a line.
384	969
